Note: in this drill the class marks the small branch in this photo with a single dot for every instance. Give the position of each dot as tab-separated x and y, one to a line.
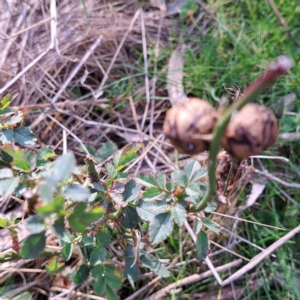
276	179
277	68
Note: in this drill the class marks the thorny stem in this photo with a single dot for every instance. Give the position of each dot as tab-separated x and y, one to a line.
277	68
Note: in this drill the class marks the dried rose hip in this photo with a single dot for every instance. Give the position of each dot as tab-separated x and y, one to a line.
188	123
250	131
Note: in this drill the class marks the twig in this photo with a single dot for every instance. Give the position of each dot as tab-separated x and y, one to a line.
290	136
190	280
77	68
283	22
257	259
28	28
147	89
276	179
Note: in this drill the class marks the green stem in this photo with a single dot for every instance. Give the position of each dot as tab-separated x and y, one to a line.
277	68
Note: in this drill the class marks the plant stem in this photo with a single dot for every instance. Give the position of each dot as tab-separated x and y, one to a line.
277	68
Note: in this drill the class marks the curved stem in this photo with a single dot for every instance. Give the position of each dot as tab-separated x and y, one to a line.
277	68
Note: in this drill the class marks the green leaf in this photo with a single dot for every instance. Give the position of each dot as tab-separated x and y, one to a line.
111	170
193	190
66	251
54	266
100	286
15	119
93	215
170	186
131	191
146	180
161	180
153	264
98	256
147	210
128	155
130	218
82	274
35	224
105	151
111	295
160	227
58	228
152	193
24	136
103	238
63	167
76	224
6	136
8	186
46	192
131	270
77	193
202	245
197	226
117	157
180	178
211	207
6	100
107	272
33	245
5	157
178	214
43	155
191	167
210	225
3	221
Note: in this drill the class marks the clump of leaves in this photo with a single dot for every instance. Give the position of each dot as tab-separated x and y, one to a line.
11	124
86	209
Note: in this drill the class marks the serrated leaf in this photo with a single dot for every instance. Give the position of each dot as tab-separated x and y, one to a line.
180	178
210	225
77	193
43	155
8	186
202	245
58	228
160	227
178	214
198	175
147	210
131	191
82	274
98	256
131	270
197	226
6	173
3	221
146	180
152	193
93	215
130	218
193	190
63	167
105	151
191	167
100	286
33	245
128	155
111	170
6	136
111	295
170	186
211	207
15	119
35	224
24	136
161	180
153	264
116	158
46	192
103	238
